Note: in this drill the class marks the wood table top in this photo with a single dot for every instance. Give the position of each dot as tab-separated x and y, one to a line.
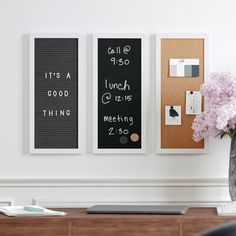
80	213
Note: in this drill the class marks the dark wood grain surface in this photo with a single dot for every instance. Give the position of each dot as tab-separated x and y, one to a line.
78	223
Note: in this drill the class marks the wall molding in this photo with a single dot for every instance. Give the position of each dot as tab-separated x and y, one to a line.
73	203
113	182
193	185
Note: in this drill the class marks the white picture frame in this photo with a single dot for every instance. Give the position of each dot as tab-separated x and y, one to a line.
32	149
160	150
97	150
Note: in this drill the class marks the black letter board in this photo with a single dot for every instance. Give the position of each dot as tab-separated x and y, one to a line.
119	94
55	80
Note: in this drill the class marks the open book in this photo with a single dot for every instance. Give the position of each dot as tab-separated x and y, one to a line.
29	211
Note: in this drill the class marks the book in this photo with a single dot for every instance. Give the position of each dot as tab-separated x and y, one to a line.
228	209
30	210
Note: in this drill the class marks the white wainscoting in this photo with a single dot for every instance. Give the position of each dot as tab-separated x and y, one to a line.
113	182
73	203
85	192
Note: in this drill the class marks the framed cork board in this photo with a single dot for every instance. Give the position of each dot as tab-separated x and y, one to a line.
181	67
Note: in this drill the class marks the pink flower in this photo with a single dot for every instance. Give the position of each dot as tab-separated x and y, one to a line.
220	114
204	126
220	89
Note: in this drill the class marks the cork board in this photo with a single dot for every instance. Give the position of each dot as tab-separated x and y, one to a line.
173	90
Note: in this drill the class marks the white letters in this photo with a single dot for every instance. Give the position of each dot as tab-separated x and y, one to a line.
56	94
56	75
119	119
59	93
119	50
117	86
56	113
68	76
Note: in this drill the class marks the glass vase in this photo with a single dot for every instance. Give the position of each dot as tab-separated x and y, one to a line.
232	170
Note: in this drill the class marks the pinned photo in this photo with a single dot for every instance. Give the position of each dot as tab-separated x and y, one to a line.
184	67
172	115
193	103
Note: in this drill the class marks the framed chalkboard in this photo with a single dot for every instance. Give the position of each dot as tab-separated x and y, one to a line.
119	123
54	93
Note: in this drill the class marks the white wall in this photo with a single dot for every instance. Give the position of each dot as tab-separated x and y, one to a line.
105	178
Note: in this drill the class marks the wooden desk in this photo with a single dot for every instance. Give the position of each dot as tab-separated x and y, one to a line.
78	223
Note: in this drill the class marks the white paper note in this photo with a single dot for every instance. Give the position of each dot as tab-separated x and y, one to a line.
193	102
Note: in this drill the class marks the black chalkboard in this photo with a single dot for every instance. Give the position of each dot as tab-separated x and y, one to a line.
56	93
119	93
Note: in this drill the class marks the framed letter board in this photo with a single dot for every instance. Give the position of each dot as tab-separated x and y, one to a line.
119	107
54	93
181	62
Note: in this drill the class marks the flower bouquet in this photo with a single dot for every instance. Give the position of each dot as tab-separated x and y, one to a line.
219	118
